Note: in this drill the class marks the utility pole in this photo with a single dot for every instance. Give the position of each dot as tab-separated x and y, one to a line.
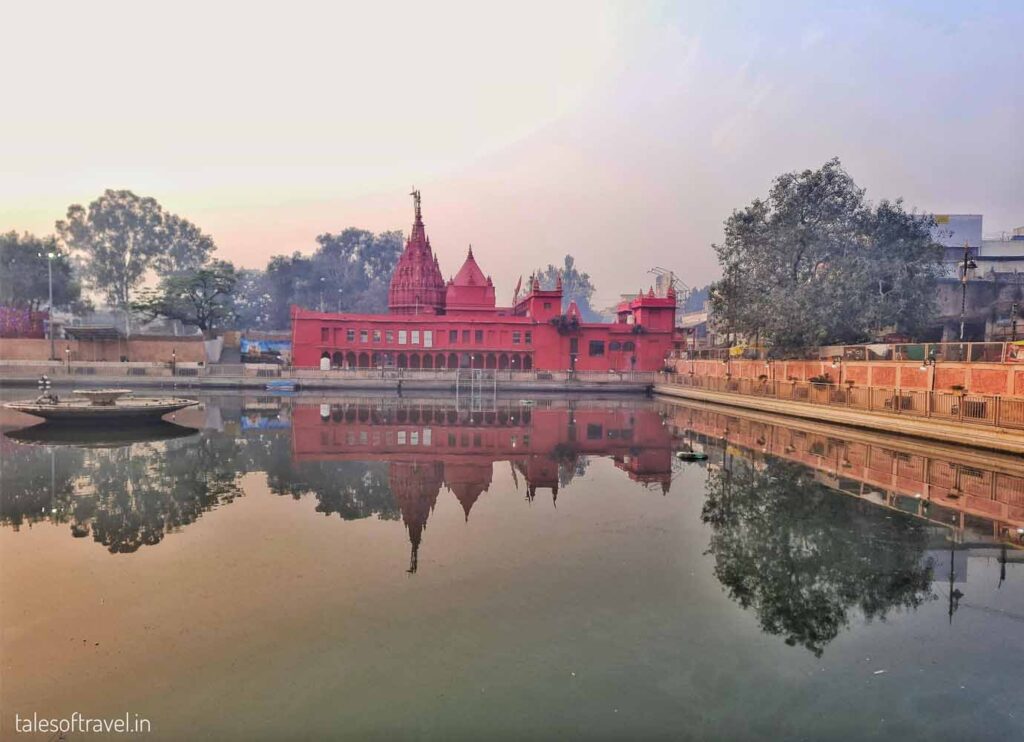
966	266
49	323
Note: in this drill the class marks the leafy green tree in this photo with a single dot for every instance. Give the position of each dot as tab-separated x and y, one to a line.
253	301
349	271
815	263
803	557
186	247
202	297
576	286
121	236
24	273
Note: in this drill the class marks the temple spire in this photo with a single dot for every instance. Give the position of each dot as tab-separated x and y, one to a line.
416	204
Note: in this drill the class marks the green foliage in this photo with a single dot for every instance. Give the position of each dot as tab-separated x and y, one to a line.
24	273
815	263
349	272
576	286
253	302
202	297
121	236
803	557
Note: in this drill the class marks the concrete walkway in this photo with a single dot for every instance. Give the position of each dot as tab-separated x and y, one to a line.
390	385
995	439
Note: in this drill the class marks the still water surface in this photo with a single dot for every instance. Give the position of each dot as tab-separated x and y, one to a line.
343	568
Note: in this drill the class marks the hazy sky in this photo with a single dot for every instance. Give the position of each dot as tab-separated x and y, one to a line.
622	133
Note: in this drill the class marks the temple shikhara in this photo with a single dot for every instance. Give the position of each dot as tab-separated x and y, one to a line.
438	324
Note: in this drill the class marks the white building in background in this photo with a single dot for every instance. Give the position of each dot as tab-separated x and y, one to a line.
994	255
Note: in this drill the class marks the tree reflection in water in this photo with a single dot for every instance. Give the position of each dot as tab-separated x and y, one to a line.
126	496
350	489
803	557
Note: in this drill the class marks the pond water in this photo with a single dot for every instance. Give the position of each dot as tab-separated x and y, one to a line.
351	568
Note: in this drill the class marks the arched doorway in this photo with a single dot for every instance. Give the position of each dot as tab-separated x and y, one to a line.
428	361
403	362
350	360
414	360
503	361
492	362
527	363
364	360
464	360
453	360
337	360
439	363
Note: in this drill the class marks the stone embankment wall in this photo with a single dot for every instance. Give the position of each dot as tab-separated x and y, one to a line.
147	350
980	378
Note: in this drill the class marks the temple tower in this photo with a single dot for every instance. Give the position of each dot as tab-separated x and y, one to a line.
417	286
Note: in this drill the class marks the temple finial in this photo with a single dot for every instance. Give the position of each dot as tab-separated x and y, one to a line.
416	203
470	250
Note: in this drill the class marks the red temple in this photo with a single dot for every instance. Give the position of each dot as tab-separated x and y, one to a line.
433	324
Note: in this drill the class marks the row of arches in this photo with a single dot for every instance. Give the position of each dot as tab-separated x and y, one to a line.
427	415
431	361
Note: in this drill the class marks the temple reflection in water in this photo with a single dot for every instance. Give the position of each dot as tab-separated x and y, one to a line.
430	445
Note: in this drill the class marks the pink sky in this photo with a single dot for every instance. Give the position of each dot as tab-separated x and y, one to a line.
621	133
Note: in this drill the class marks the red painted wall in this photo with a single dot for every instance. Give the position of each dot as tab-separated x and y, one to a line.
314	333
981	378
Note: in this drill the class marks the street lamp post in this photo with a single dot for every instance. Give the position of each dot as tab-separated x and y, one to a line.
49	323
966	266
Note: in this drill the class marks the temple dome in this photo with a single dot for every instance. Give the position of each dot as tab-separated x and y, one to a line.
470	274
470	290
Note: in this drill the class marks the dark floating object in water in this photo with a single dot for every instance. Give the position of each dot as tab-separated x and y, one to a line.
57	434
691	455
101	405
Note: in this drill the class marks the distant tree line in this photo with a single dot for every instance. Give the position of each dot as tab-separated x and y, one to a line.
140	258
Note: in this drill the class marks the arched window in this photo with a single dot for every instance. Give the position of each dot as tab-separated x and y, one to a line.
629	345
614	345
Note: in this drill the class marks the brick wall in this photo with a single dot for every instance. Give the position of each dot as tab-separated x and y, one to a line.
152	350
980	378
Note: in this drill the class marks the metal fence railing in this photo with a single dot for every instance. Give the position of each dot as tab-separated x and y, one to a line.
950	352
960	407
